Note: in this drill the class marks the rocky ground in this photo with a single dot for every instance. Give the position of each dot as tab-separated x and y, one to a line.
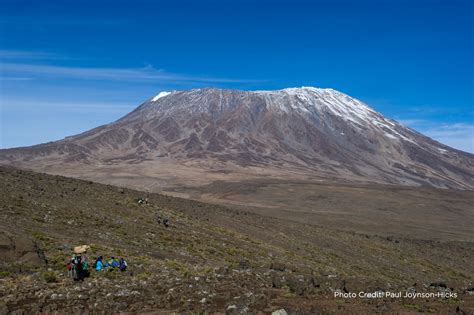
211	259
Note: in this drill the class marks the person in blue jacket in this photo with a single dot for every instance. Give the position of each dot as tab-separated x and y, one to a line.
99	264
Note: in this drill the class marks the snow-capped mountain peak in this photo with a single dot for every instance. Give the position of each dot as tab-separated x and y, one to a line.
160	95
312	131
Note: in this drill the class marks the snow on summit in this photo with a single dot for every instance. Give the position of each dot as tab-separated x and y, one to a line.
160	95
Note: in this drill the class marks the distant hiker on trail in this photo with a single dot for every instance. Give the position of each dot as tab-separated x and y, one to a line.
158	218
143	201
123	264
166	222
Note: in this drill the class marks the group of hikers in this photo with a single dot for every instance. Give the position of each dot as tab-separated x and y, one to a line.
111	264
78	266
142	201
159	219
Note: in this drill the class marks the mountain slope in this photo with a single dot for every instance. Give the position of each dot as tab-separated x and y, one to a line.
297	132
210	259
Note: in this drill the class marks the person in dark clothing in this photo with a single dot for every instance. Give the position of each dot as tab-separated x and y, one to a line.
77	265
123	264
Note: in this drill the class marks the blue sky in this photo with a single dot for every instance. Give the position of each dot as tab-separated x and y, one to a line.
68	66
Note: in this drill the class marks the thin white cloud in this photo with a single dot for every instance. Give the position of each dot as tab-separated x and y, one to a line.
410	122
20	54
147	73
9	54
15	79
67	106
39	21
458	135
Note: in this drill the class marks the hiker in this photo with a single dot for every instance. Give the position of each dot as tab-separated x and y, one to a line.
81	266
115	263
143	201
85	269
77	267
123	264
108	263
112	263
99	264
158	218
166	222
70	266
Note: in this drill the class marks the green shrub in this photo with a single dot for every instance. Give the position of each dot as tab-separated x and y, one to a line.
4	274
50	277
40	236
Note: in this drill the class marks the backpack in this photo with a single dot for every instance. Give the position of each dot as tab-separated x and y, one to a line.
85	265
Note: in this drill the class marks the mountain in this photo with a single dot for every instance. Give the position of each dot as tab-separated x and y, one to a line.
200	135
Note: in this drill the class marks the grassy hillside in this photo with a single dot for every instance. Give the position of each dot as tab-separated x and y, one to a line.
210	259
